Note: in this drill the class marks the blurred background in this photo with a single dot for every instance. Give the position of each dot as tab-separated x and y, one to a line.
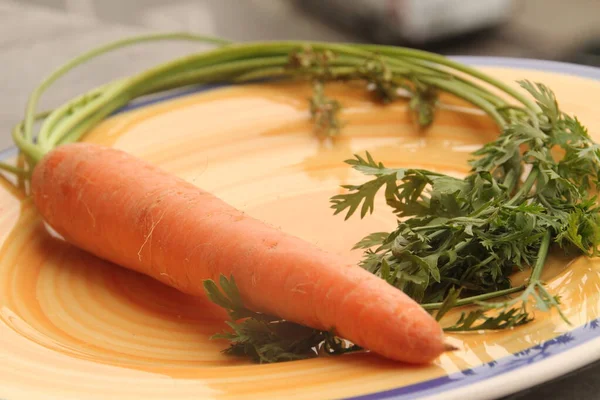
548	29
37	36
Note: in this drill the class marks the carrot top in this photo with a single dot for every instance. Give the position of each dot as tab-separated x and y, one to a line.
391	73
266	339
457	240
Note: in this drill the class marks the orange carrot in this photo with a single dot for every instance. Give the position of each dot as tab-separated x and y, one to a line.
127	211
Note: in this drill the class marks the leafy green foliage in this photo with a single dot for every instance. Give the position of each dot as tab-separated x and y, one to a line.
478	320
314	64
324	111
267	339
378	74
469	235
383	81
457	241
423	103
509	314
386	87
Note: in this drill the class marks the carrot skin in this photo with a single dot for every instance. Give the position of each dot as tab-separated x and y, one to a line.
129	212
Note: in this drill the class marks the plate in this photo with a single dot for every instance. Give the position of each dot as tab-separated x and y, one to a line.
74	327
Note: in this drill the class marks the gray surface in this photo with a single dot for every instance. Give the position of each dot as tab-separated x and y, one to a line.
38	35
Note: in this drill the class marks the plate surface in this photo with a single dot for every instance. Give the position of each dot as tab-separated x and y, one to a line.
73	326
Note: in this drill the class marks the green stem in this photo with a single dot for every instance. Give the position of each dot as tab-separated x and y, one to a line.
531	113
13	170
50	125
441	60
468	273
77	130
525	187
475	299
209	73
429	69
127	88
455	89
541	259
510	182
545	202
30	150
429	227
85	57
234	63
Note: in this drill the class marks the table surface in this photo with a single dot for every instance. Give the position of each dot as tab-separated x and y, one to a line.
34	39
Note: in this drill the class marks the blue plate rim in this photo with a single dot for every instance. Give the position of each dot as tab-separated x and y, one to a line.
453	385
561	67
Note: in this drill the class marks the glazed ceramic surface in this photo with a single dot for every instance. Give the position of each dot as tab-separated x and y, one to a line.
75	327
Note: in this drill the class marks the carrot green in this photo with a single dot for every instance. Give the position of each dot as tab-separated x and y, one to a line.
469	235
457	241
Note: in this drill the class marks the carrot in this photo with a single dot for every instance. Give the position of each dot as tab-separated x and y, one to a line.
131	213
127	211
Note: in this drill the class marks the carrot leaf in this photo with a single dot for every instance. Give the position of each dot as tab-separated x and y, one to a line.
477	320
215	295
466	237
371	240
448	303
324	111
267	339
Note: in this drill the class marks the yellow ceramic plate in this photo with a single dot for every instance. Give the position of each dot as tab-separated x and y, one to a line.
75	327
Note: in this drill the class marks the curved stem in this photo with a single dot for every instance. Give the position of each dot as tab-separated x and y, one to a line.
26	147
475	299
473	86
12	169
486	106
441	60
541	259
47	130
127	89
525	187
532	115
31	105
235	63
78	128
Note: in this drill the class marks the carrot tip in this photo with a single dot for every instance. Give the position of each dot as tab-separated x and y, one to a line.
449	347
